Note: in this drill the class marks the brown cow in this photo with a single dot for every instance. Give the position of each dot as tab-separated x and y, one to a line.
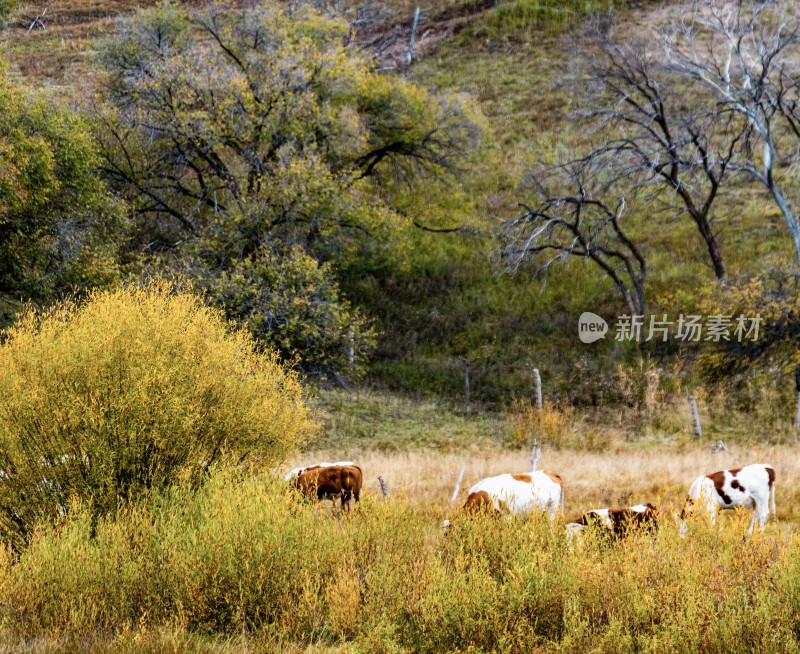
331	482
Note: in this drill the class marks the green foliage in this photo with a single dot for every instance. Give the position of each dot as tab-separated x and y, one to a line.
238	134
293	305
243	556
7	7
134	389
59	229
773	299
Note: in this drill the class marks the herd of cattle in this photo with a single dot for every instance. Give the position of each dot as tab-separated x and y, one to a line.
751	487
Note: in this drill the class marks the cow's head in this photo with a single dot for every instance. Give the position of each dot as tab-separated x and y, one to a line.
683	516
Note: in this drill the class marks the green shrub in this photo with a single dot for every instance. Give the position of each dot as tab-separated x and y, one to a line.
292	303
6	7
133	389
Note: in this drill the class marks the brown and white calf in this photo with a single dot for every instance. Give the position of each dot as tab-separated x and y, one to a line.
619	522
331	482
750	487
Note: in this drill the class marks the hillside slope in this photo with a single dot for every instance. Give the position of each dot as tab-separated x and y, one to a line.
443	304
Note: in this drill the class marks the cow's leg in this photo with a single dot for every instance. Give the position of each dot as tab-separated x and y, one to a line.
346	500
761	513
752	523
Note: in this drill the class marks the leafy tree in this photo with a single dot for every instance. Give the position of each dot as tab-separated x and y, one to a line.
235	135
292	304
58	224
134	389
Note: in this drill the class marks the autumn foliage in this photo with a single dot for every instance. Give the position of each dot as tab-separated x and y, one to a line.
133	389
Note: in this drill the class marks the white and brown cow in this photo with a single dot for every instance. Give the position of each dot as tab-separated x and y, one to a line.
619	522
750	487
518	494
331	482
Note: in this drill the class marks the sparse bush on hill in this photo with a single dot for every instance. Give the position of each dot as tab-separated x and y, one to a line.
6	7
133	389
773	300
517	17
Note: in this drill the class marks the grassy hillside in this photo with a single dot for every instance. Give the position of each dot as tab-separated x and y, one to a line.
443	301
451	304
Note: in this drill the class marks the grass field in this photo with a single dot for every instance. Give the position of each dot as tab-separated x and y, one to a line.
622	477
607	457
243	567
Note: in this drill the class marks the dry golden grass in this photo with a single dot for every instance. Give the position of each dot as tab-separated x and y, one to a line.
622	476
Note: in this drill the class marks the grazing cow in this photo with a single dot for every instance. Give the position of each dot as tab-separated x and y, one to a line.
751	487
518	494
294	473
622	521
331	481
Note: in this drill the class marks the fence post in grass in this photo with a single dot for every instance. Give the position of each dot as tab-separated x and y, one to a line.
536	452
351	350
466	388
698	432
458	486
797	387
384	487
410	55
537	380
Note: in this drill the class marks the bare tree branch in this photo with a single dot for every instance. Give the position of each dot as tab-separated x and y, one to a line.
655	139
579	225
744	56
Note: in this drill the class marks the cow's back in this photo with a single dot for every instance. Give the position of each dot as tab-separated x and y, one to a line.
521	493
331	481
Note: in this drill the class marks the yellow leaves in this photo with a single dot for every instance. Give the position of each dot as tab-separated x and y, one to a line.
145	380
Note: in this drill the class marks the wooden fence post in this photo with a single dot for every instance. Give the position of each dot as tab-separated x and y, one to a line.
537	380
410	55
797	388
458	486
384	487
466	389
698	431
536	452
351	350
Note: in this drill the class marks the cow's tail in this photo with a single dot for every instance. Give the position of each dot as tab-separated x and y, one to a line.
772	499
